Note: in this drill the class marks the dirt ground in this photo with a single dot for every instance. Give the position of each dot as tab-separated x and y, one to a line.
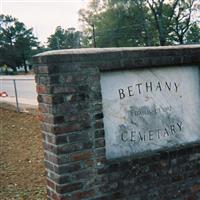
21	157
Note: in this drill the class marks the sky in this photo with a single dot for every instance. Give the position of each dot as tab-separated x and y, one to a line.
44	15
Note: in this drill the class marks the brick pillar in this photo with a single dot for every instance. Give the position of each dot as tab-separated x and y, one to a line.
70	104
71	113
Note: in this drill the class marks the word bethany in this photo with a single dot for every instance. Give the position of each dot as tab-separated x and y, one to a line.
147	87
153	134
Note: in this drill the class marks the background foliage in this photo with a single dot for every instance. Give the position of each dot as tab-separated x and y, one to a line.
140	22
107	23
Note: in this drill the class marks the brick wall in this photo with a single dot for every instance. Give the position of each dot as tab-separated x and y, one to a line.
70	104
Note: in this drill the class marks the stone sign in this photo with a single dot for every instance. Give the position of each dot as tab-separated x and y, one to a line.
150	109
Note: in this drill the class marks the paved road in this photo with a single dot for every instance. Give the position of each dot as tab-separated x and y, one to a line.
26	89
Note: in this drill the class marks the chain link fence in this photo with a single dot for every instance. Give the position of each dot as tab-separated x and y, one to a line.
18	91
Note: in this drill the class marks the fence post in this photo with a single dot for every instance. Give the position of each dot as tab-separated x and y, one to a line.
16	97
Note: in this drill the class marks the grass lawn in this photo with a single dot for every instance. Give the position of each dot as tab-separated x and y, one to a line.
21	157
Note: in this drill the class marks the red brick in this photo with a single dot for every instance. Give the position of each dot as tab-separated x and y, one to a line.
49	147
68	188
46	118
81	156
50	158
66	129
41	89
64	89
55	196
44	108
50	118
48	99
84	174
43	69
99	124
46	127
195	188
50	184
41	117
99	142
84	194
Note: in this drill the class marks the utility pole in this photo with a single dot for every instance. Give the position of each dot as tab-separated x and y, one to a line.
93	35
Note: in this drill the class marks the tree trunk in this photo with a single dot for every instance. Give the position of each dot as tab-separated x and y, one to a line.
147	35
162	40
161	31
25	66
181	39
145	26
158	16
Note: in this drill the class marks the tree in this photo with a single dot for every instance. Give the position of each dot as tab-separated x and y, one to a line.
64	39
163	14
173	19
118	23
193	34
17	43
137	22
89	17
